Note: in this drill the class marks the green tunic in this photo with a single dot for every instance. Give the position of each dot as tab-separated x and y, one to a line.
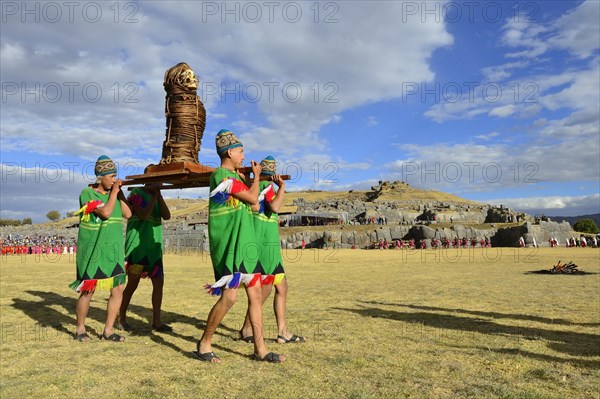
233	246
266	225
100	254
144	238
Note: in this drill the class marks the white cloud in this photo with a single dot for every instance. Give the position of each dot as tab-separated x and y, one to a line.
12	53
355	185
213	115
478	168
520	32
371	121
553	205
488	136
576	31
33	192
186	193
499	73
504	111
364	58
336	66
571	89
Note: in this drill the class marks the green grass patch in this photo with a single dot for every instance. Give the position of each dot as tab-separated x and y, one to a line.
378	324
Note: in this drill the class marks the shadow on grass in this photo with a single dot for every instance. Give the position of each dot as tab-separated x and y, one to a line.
592	364
495	315
219	348
45	314
571	343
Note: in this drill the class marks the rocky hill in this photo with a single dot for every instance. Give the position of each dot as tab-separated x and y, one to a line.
388	211
396	201
572	219
399	203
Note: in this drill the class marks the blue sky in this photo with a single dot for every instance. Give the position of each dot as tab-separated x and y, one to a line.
495	101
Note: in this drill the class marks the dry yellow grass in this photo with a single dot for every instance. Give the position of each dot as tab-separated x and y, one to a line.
404	193
379	324
186	209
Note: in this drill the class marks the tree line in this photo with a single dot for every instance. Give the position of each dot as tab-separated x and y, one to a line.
53	216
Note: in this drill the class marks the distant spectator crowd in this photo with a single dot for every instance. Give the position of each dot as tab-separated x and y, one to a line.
17	244
433	243
310	221
381	220
581	241
572	242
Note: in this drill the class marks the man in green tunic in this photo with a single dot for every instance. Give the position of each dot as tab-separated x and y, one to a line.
266	226
144	251
100	257
233	248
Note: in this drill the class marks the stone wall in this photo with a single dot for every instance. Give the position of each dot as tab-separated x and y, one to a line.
346	237
186	241
182	239
40	230
544	230
406	212
177	239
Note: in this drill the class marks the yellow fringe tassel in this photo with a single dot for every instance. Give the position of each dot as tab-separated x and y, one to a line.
135	269
278	278
105	284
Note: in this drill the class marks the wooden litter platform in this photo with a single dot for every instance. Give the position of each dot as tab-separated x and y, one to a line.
181	175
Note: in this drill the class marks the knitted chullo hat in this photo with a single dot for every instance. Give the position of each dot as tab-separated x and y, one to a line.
226	140
269	166
104	166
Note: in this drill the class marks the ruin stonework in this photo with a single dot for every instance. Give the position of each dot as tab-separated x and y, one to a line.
405	220
346	237
407	211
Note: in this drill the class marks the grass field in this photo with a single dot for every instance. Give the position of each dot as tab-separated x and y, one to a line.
378	324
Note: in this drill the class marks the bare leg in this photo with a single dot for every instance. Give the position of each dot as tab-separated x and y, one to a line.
247	327
133	281
279	306
114	302
215	316
81	311
255	311
157	295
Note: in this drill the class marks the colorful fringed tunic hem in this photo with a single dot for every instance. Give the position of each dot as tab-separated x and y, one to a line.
266	226
144	239
233	247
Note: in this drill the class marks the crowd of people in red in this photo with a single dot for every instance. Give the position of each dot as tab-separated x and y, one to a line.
573	242
16	244
433	243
